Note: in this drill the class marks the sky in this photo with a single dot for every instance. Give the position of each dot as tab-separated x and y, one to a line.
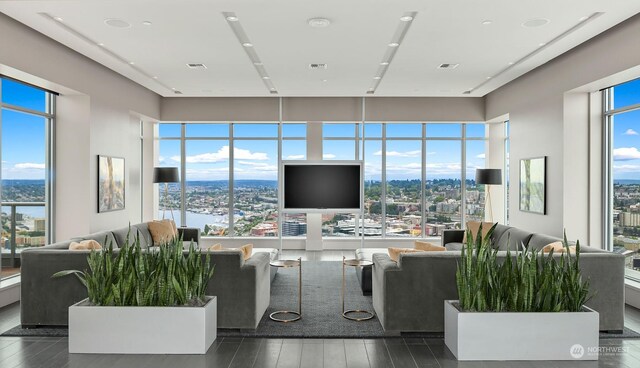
23	144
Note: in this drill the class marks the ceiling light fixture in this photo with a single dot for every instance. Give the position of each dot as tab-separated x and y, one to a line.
542	44
132	63
146	23
377	77
536	22
486	22
117	23
582	19
319	22
59	19
394	44
247	44
258	63
265	77
510	63
232	18
384	63
155	77
100	44
406	18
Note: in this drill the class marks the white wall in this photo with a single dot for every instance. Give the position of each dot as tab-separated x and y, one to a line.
536	107
94	116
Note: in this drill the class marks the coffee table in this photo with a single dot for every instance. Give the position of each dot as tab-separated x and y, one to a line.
288	263
346	313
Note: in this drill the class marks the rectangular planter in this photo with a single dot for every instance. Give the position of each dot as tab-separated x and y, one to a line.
142	330
521	336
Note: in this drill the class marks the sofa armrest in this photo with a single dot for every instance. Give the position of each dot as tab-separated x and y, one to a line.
384	262
452	236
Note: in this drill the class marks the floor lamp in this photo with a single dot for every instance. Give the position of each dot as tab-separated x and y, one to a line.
166	175
489	177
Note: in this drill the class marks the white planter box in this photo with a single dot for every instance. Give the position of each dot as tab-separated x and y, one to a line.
142	330
521	336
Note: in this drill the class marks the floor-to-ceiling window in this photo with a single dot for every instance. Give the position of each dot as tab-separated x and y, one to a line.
622	123
26	123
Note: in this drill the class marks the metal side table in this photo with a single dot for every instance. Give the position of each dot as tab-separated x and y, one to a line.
345	313
288	263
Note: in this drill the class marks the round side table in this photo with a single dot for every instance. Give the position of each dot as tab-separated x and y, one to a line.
346	313
288	263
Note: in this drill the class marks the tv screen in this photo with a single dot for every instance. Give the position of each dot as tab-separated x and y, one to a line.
321	186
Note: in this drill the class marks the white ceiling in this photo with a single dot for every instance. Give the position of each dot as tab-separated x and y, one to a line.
443	31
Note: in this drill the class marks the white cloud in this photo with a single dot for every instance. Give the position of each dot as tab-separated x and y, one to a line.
415	153
626	168
222	155
29	165
626	154
259	166
630	132
328	156
482	155
294	157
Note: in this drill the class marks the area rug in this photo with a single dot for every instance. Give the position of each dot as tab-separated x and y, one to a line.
321	309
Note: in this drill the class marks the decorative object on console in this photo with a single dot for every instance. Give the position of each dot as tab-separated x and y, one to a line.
166	175
533	180
489	177
542	295
111	184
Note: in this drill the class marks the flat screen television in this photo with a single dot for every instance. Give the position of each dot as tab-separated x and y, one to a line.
322	186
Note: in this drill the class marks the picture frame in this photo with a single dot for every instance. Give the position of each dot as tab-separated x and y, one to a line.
111	183
533	185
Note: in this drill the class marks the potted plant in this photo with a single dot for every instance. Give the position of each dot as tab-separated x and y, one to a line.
526	307
144	301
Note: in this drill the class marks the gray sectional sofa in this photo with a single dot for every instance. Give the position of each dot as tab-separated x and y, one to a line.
242	287
409	295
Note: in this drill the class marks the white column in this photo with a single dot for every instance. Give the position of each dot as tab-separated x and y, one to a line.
314	153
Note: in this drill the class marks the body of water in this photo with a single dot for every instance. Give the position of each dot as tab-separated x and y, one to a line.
199	220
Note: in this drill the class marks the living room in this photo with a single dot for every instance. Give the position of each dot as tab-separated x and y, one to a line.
424	100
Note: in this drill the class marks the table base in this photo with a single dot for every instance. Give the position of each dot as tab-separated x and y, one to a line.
346	315
296	314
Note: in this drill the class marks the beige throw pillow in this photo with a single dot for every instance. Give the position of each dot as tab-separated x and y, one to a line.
474	226
394	253
246	249
162	231
428	247
85	245
558	247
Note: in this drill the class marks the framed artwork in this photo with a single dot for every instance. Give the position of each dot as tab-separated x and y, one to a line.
110	184
533	182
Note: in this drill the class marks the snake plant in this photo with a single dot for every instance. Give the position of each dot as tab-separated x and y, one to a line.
528	282
131	276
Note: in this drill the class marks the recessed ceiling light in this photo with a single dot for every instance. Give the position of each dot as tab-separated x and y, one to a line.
155	77
100	44
376	78
406	18
325	80
394	44
146	23
232	18
265	77
247	44
488	77
319	22
273	89
542	43
132	63
536	22
173	89
59	19
510	63
582	19
486	22
257	63
384	63
117	23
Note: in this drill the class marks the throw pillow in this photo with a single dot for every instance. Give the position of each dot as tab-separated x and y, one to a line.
474	226
246	249
558	247
85	245
428	247
394	253
162	231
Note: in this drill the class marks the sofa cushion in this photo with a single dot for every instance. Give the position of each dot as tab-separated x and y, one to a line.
85	245
121	235
394	253
513	239
273	252
498	232
474	227
162	231
538	241
105	238
145	236
558	247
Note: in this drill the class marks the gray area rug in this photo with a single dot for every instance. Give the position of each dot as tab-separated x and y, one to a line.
321	309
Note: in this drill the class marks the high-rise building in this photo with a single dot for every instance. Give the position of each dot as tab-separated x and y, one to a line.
39	225
294	228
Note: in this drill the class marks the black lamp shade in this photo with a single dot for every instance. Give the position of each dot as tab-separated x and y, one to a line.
489	176
165	175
